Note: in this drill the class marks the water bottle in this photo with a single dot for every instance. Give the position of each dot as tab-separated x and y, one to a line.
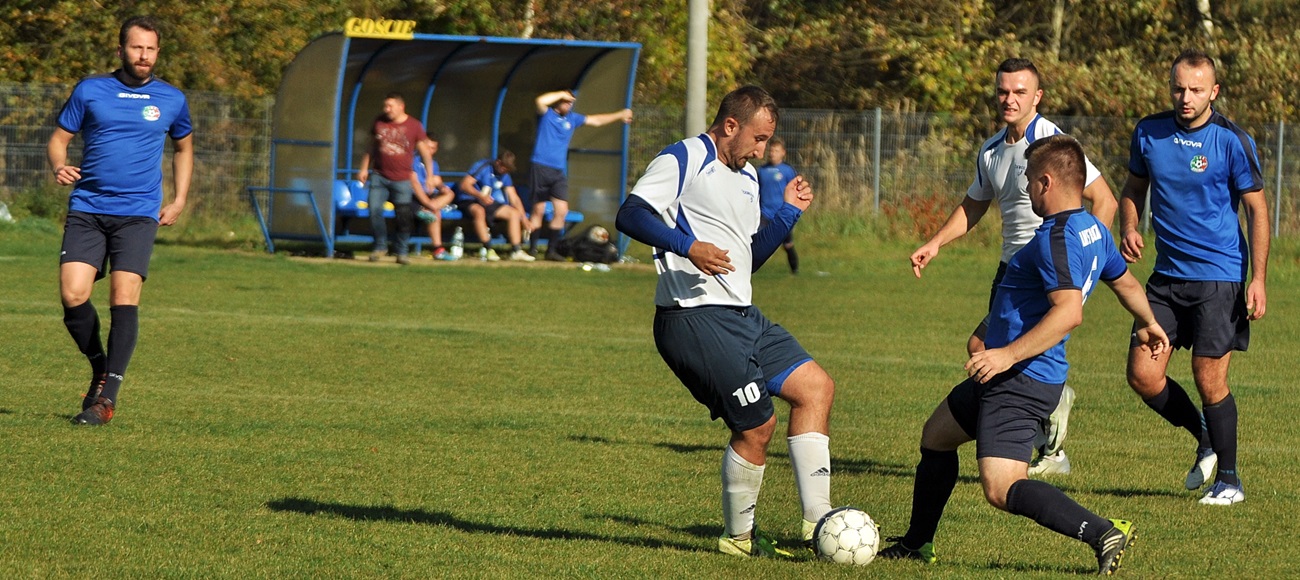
458	243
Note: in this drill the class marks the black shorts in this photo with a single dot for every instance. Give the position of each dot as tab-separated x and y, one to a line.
1005	414
1210	318
126	242
547	183
731	359
983	327
488	210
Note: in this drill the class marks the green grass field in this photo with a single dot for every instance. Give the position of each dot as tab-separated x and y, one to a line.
315	418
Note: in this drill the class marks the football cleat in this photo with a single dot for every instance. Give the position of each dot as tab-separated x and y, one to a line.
758	545
1110	548
809	530
898	551
1055	464
92	393
1223	494
98	413
1203	469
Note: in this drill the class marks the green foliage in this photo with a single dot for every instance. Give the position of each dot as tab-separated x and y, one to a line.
49	201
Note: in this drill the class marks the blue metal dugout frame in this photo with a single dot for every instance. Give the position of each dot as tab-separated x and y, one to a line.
476	93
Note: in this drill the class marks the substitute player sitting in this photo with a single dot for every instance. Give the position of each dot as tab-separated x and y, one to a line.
1016	382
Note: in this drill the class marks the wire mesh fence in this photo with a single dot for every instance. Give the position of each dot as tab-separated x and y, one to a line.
859	161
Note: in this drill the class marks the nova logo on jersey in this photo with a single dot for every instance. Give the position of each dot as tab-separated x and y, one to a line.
1200	163
1187	142
151	113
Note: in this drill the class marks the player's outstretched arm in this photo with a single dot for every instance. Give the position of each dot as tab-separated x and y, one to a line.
1065	313
1131	202
1257	227
1134	299
606	118
961	220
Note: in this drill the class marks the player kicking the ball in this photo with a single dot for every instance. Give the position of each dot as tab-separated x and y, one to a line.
1016	382
698	206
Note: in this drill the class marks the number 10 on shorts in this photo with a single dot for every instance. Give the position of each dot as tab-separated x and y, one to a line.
748	394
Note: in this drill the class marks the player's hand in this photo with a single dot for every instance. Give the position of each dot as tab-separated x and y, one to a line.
363	175
170	212
799	193
1154	338
1256	300
67	175
710	259
626	116
986	364
921	258
1131	245
525	223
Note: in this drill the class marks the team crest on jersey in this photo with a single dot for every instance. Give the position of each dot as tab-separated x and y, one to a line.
1200	163
151	113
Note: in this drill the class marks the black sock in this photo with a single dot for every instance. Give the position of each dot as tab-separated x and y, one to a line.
936	475
82	321
1174	405
552	235
1054	510
515	247
793	256
121	345
1221	422
540	234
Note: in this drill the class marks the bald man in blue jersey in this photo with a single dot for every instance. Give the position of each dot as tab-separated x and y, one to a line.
1200	169
116	205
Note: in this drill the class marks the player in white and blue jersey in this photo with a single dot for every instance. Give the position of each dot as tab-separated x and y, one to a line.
773	176
1017	380
1000	174
697	206
1201	169
116	204
548	180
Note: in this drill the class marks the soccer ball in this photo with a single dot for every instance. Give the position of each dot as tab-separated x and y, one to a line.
846	536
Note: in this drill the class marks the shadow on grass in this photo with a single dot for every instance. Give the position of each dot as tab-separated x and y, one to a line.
1023	567
1122	492
417	516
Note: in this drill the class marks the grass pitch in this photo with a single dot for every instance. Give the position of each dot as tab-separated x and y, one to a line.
315	418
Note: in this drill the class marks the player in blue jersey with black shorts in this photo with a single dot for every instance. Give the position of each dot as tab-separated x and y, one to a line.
1016	382
773	176
548	180
1201	169
697	205
487	193
116	204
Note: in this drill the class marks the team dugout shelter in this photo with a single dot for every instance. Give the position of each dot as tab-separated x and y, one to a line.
476	93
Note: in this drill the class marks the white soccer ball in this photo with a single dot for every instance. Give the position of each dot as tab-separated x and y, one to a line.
847	536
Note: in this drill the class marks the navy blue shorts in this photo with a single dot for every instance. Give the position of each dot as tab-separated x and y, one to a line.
125	242
1005	414
732	359
1210	318
547	183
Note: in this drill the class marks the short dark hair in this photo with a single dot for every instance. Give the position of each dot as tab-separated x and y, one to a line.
1060	155
431	135
776	142
395	96
745	102
1194	57
506	158
1017	64
141	22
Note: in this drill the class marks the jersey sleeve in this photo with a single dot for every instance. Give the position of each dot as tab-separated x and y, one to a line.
578	119
664	179
1059	260
1114	268
981	189
1245	173
182	126
1137	162
74	110
1091	172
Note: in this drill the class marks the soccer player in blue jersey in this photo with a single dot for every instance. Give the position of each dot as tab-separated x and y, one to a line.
487	192
773	176
116	204
1016	381
1000	173
1200	168
431	194
697	205
548	180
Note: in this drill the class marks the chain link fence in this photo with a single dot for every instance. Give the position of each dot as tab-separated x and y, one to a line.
860	162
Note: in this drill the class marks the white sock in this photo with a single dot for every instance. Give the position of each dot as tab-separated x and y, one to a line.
810	456
741	481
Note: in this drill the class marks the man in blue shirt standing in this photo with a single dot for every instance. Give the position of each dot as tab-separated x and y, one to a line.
772	178
548	179
116	204
1017	380
1200	168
